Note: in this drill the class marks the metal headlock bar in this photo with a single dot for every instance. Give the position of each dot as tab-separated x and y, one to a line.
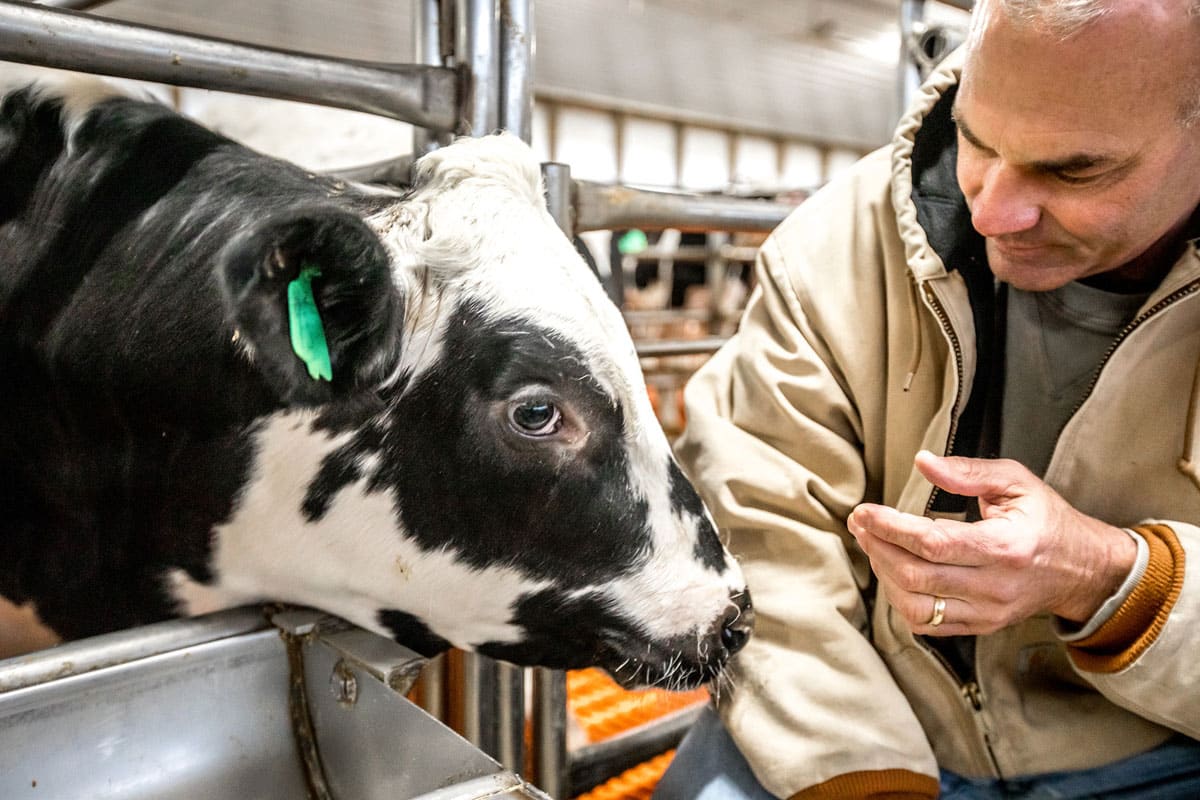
48	37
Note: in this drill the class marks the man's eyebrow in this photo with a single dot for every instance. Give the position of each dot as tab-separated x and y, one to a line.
1075	162
966	131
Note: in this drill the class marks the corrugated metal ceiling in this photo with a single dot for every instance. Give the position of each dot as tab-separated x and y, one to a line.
818	69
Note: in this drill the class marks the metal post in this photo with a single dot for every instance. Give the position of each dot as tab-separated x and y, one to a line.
558	195
552	770
31	34
427	31
510	717
494	709
716	268
477	48
908	75
433	687
551	767
516	67
479	693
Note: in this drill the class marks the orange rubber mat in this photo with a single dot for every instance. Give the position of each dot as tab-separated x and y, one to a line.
603	709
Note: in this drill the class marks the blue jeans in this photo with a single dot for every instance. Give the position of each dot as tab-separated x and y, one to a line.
708	766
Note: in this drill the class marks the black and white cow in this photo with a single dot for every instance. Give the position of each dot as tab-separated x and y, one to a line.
483	469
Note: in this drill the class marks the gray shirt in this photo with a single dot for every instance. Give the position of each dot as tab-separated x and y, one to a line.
1054	343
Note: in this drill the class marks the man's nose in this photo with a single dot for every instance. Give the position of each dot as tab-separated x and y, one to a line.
1002	202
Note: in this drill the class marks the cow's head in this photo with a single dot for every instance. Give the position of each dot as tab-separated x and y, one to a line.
484	469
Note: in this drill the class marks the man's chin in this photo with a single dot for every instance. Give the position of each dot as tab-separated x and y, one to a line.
1032	269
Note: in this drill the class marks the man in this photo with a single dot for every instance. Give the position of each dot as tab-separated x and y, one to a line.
1013	283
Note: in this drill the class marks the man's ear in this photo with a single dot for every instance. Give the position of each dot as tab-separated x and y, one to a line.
305	275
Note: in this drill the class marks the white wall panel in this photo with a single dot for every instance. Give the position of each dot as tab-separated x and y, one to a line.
803	167
705	160
839	161
587	141
756	164
649	153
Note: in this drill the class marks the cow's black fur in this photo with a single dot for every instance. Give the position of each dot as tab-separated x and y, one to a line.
143	342
122	432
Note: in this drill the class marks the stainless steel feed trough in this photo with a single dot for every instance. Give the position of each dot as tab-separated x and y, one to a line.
232	707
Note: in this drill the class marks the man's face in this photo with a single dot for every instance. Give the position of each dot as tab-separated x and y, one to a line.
1071	154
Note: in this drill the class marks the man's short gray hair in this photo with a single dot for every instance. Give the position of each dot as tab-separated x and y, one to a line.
1062	18
1065	18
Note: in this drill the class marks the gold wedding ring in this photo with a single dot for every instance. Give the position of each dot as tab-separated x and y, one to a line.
939	612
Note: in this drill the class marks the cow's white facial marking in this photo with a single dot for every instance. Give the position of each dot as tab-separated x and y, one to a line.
352	561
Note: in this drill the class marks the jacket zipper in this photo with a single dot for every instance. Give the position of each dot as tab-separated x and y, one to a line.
944	320
1171	299
968	689
972	693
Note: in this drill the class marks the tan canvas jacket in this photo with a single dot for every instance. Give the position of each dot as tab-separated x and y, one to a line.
858	348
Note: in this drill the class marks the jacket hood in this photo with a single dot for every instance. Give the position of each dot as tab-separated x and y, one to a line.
932	214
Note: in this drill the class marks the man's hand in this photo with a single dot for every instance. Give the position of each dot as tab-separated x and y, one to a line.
1031	552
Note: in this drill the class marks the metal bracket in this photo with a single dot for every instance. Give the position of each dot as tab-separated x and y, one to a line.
392	664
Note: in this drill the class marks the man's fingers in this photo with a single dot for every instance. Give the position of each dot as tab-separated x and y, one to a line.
941	541
904	570
958	617
973	477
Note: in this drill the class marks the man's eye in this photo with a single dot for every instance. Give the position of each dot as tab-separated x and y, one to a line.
1074	179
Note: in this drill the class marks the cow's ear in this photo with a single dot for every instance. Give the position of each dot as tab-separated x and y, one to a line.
311	295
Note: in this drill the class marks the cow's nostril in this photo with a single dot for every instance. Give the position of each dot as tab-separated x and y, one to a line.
738	624
734	637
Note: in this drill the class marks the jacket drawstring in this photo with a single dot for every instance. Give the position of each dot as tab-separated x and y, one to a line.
1189	460
914	318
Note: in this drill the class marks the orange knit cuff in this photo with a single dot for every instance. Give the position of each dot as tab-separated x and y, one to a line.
882	784
1136	624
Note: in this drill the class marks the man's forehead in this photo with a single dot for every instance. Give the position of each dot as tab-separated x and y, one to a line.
1041	142
1109	90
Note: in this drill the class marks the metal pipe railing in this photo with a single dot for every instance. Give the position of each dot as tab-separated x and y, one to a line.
679	347
86	655
516	67
604	207
74	5
422	95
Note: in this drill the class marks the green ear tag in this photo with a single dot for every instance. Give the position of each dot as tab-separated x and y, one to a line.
304	320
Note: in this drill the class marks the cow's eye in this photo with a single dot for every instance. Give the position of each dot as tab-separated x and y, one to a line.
536	418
